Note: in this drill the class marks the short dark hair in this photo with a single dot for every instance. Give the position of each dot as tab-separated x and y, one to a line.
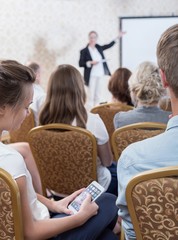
118	85
13	77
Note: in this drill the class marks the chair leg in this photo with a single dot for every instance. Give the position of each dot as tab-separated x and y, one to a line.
122	235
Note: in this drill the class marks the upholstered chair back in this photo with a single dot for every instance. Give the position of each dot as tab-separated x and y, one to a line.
10	208
65	156
107	113
20	135
124	136
152	200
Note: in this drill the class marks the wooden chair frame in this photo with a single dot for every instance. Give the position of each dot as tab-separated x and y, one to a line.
144	176
20	135
16	204
65	127
143	125
114	105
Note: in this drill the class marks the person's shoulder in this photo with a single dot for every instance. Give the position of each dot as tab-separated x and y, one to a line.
124	114
93	117
98	46
128	157
8	152
11	160
166	113
94	121
84	49
131	154
6	149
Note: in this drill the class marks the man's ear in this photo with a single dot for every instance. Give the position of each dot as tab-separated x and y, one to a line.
163	78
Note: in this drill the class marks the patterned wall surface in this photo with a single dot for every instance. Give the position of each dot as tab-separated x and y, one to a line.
53	31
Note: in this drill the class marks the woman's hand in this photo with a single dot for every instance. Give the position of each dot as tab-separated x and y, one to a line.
121	34
88	209
94	62
61	205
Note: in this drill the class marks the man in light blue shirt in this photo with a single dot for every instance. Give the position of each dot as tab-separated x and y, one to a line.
159	151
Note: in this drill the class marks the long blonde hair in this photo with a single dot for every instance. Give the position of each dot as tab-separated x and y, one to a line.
65	98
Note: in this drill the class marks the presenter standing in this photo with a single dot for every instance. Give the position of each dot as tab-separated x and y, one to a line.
95	67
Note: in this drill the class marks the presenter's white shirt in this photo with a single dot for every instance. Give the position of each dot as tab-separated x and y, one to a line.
97	69
13	163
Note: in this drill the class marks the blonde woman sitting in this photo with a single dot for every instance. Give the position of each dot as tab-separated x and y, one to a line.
146	90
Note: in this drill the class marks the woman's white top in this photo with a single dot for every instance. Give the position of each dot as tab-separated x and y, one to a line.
38	101
96	126
13	163
97	69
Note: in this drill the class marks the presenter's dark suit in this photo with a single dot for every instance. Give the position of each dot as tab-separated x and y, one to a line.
85	56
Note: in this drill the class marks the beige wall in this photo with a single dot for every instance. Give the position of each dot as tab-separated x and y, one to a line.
53	31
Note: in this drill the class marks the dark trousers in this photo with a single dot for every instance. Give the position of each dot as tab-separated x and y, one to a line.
113	187
98	227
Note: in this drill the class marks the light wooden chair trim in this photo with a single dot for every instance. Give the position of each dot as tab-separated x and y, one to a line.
143	125
122	234
65	127
16	205
112	105
142	177
20	135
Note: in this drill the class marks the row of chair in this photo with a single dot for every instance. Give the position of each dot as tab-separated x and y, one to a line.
52	147
61	151
105	111
151	197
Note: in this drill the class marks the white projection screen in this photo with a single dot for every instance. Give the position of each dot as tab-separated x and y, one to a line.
140	41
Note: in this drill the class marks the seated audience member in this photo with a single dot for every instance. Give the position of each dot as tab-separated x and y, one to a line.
16	88
65	104
146	90
161	150
24	149
39	94
118	86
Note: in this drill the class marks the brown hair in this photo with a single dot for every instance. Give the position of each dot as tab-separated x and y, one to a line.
118	85
167	56
13	77
91	32
34	66
65	98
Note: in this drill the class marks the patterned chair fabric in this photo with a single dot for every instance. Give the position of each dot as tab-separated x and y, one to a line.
20	135
10	209
65	156
152	199
126	135
107	113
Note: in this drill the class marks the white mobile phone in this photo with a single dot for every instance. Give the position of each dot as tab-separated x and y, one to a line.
95	189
